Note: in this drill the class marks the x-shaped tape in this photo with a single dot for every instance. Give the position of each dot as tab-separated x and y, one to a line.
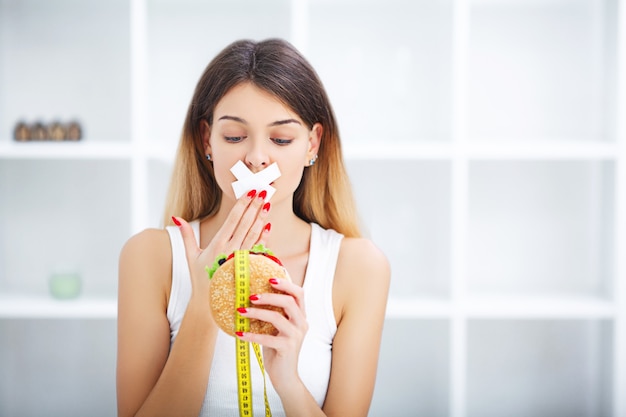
248	180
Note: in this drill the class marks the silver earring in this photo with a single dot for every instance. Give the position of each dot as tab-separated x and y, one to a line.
208	157
312	161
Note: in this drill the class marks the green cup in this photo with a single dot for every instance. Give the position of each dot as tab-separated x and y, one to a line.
65	286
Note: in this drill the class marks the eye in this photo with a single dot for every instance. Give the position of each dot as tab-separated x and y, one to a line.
281	142
234	139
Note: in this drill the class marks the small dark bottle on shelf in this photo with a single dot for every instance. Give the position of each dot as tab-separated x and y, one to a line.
21	133
74	131
38	131
57	131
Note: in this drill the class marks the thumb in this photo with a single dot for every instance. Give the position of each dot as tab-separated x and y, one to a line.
192	249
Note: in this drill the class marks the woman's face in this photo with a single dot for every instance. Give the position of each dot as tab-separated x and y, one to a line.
253	126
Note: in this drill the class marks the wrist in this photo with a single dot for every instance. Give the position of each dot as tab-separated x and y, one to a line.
199	310
297	400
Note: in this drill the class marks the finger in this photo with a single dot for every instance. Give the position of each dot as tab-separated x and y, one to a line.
192	250
225	234
262	238
264	234
284	326
286	286
246	221
287	303
261	339
259	230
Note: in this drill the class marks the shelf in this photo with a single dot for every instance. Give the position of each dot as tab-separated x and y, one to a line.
549	150
501	307
65	150
483	150
541	227
426	150
418	308
514	368
42	307
403	151
538	307
476	307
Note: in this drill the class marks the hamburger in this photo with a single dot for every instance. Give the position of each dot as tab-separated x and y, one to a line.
263	266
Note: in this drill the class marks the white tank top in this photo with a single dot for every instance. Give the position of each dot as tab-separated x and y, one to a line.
315	356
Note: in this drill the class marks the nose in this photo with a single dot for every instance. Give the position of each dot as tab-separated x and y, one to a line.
256	156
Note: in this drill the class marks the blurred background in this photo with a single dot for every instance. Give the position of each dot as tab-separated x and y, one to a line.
485	139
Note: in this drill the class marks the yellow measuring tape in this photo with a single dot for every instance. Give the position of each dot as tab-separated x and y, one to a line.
242	324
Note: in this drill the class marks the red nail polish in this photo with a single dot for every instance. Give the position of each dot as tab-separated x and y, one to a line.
242	310
267	227
254	297
240	334
176	222
251	193
273	281
266	207
263	194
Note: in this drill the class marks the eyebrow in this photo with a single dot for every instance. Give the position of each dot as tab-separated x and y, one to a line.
276	123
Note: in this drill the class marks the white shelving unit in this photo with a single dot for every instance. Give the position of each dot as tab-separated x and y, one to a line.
486	141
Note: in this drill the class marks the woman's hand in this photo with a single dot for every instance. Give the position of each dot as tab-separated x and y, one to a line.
280	352
243	228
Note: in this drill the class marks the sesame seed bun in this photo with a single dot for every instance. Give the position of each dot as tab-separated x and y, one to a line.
222	292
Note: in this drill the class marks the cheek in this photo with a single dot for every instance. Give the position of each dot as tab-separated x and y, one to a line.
290	178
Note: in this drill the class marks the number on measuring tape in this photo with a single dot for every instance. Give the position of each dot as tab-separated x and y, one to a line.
242	324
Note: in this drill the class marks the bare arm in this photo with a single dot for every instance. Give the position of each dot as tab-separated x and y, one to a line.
360	297
361	287
151	380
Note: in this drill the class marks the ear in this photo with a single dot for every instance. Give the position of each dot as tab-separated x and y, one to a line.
205	131
315	139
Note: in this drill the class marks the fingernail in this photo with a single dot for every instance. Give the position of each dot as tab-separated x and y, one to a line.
251	193
240	334
263	194
254	297
267	227
242	310
176	222
274	281
266	207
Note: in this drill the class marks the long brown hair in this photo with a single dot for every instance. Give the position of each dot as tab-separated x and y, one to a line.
324	195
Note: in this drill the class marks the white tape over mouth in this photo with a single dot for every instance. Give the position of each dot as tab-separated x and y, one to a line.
248	180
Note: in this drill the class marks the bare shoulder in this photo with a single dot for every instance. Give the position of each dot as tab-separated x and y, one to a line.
363	273
149	246
146	262
361	255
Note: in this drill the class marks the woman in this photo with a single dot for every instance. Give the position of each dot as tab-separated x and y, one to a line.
259	103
